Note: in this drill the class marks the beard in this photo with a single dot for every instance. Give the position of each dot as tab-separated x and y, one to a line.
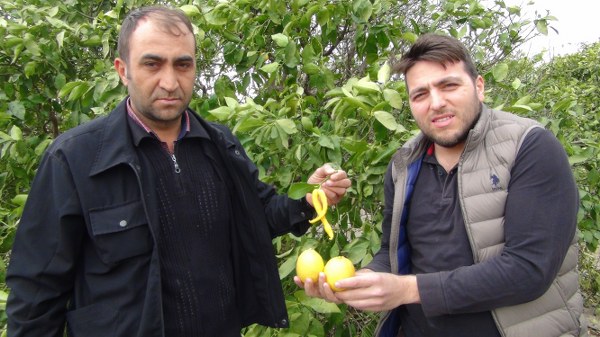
461	135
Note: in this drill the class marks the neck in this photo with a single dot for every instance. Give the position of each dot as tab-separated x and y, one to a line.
166	131
448	157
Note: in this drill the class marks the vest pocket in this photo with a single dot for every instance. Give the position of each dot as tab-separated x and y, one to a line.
120	231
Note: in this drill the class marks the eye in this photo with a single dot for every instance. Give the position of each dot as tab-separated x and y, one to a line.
417	96
450	86
185	65
151	65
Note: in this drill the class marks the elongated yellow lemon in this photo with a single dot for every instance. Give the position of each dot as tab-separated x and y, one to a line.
319	199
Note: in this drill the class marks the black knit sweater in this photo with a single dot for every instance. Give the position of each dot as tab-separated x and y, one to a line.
194	206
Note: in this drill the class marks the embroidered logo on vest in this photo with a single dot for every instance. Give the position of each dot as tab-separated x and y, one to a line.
495	182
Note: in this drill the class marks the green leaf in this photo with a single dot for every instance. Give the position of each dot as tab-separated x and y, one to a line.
291	55
307	123
500	72
383	75
19	199
563	105
287	267
577	159
299	190
29	68
60	38
356	250
410	37
221	113
216	19
363	9
280	39
78	91
386	119
323	16
317	304
248	124
287	125
33	48
190	10
16	133
326	142
366	86
542	26
231	102
57	23
393	97
67	88
356	103
516	84
42	146
17	109
269	68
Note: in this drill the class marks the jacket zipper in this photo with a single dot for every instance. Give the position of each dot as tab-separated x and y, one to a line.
175	164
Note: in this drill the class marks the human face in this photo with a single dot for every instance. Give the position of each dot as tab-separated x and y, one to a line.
159	74
445	101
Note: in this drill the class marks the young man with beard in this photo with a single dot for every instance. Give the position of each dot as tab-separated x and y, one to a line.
151	221
479	221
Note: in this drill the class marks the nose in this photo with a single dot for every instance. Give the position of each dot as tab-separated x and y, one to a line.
168	80
437	100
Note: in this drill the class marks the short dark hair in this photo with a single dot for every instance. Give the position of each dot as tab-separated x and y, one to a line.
437	48
167	18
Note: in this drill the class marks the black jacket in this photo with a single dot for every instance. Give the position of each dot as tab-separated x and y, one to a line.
85	249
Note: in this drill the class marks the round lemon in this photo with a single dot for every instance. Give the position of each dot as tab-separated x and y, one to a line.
308	265
336	269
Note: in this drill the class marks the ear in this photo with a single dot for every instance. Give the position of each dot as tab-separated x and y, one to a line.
480	87
121	69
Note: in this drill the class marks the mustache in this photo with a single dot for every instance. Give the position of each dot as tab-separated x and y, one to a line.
166	96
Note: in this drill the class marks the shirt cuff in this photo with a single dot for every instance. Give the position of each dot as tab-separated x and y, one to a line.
431	292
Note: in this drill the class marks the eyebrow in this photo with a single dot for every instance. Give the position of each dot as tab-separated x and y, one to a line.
155	57
442	81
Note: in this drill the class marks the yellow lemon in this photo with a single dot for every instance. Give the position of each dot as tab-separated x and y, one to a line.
338	268
308	265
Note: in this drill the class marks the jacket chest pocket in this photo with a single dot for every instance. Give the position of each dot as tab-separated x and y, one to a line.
120	232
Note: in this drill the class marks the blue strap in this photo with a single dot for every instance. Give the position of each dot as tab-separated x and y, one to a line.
392	323
403	246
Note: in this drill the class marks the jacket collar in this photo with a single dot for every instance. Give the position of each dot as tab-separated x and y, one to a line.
478	132
116	143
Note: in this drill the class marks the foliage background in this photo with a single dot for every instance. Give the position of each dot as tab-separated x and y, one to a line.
301	82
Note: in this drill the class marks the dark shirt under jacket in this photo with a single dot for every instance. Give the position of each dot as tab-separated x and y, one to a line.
194	207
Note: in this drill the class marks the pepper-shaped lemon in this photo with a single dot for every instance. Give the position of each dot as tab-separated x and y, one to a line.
319	200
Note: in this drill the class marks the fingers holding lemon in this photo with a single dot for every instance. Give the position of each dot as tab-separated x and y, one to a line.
309	264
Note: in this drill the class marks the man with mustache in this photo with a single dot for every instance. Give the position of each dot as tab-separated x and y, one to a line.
479	220
151	221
